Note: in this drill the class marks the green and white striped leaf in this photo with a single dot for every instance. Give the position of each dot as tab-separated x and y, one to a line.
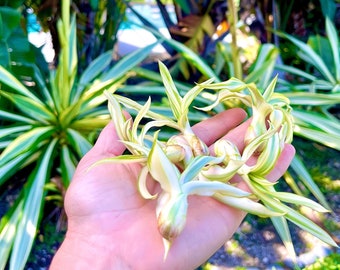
248	205
174	98
27	142
332	35
34	109
303	174
299	200
192	94
262	69
300	220
32	209
96	67
68	165
312	99
296	71
209	188
13	130
90	124
8	79
139	117
123	159
128	62
78	142
327	139
196	165
12	166
314	119
14	117
8	233
311	56
162	170
281	226
117	116
187	53
131	104
142	187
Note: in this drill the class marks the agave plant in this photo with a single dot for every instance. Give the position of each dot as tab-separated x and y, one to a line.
183	164
47	129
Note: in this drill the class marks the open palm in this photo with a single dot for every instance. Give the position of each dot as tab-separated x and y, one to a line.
110	226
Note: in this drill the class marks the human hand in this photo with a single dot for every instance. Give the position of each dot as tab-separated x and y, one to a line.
110	226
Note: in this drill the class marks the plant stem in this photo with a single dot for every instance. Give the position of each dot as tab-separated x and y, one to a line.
233	19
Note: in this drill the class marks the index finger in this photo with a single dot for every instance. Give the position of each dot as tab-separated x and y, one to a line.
214	128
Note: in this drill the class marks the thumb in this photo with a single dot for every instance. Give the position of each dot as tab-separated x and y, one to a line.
107	145
108	142
282	163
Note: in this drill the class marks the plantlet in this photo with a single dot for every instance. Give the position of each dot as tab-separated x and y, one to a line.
183	165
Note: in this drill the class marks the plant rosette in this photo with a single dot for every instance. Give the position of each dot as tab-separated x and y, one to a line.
183	165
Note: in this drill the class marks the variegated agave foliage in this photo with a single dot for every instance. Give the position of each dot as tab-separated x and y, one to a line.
183	165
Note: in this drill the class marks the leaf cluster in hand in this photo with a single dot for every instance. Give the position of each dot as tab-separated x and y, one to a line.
183	165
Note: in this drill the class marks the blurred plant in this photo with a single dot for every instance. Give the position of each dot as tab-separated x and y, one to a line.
195	26
10	20
14	46
221	53
47	129
314	93
330	262
300	17
183	164
97	25
322	58
203	27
